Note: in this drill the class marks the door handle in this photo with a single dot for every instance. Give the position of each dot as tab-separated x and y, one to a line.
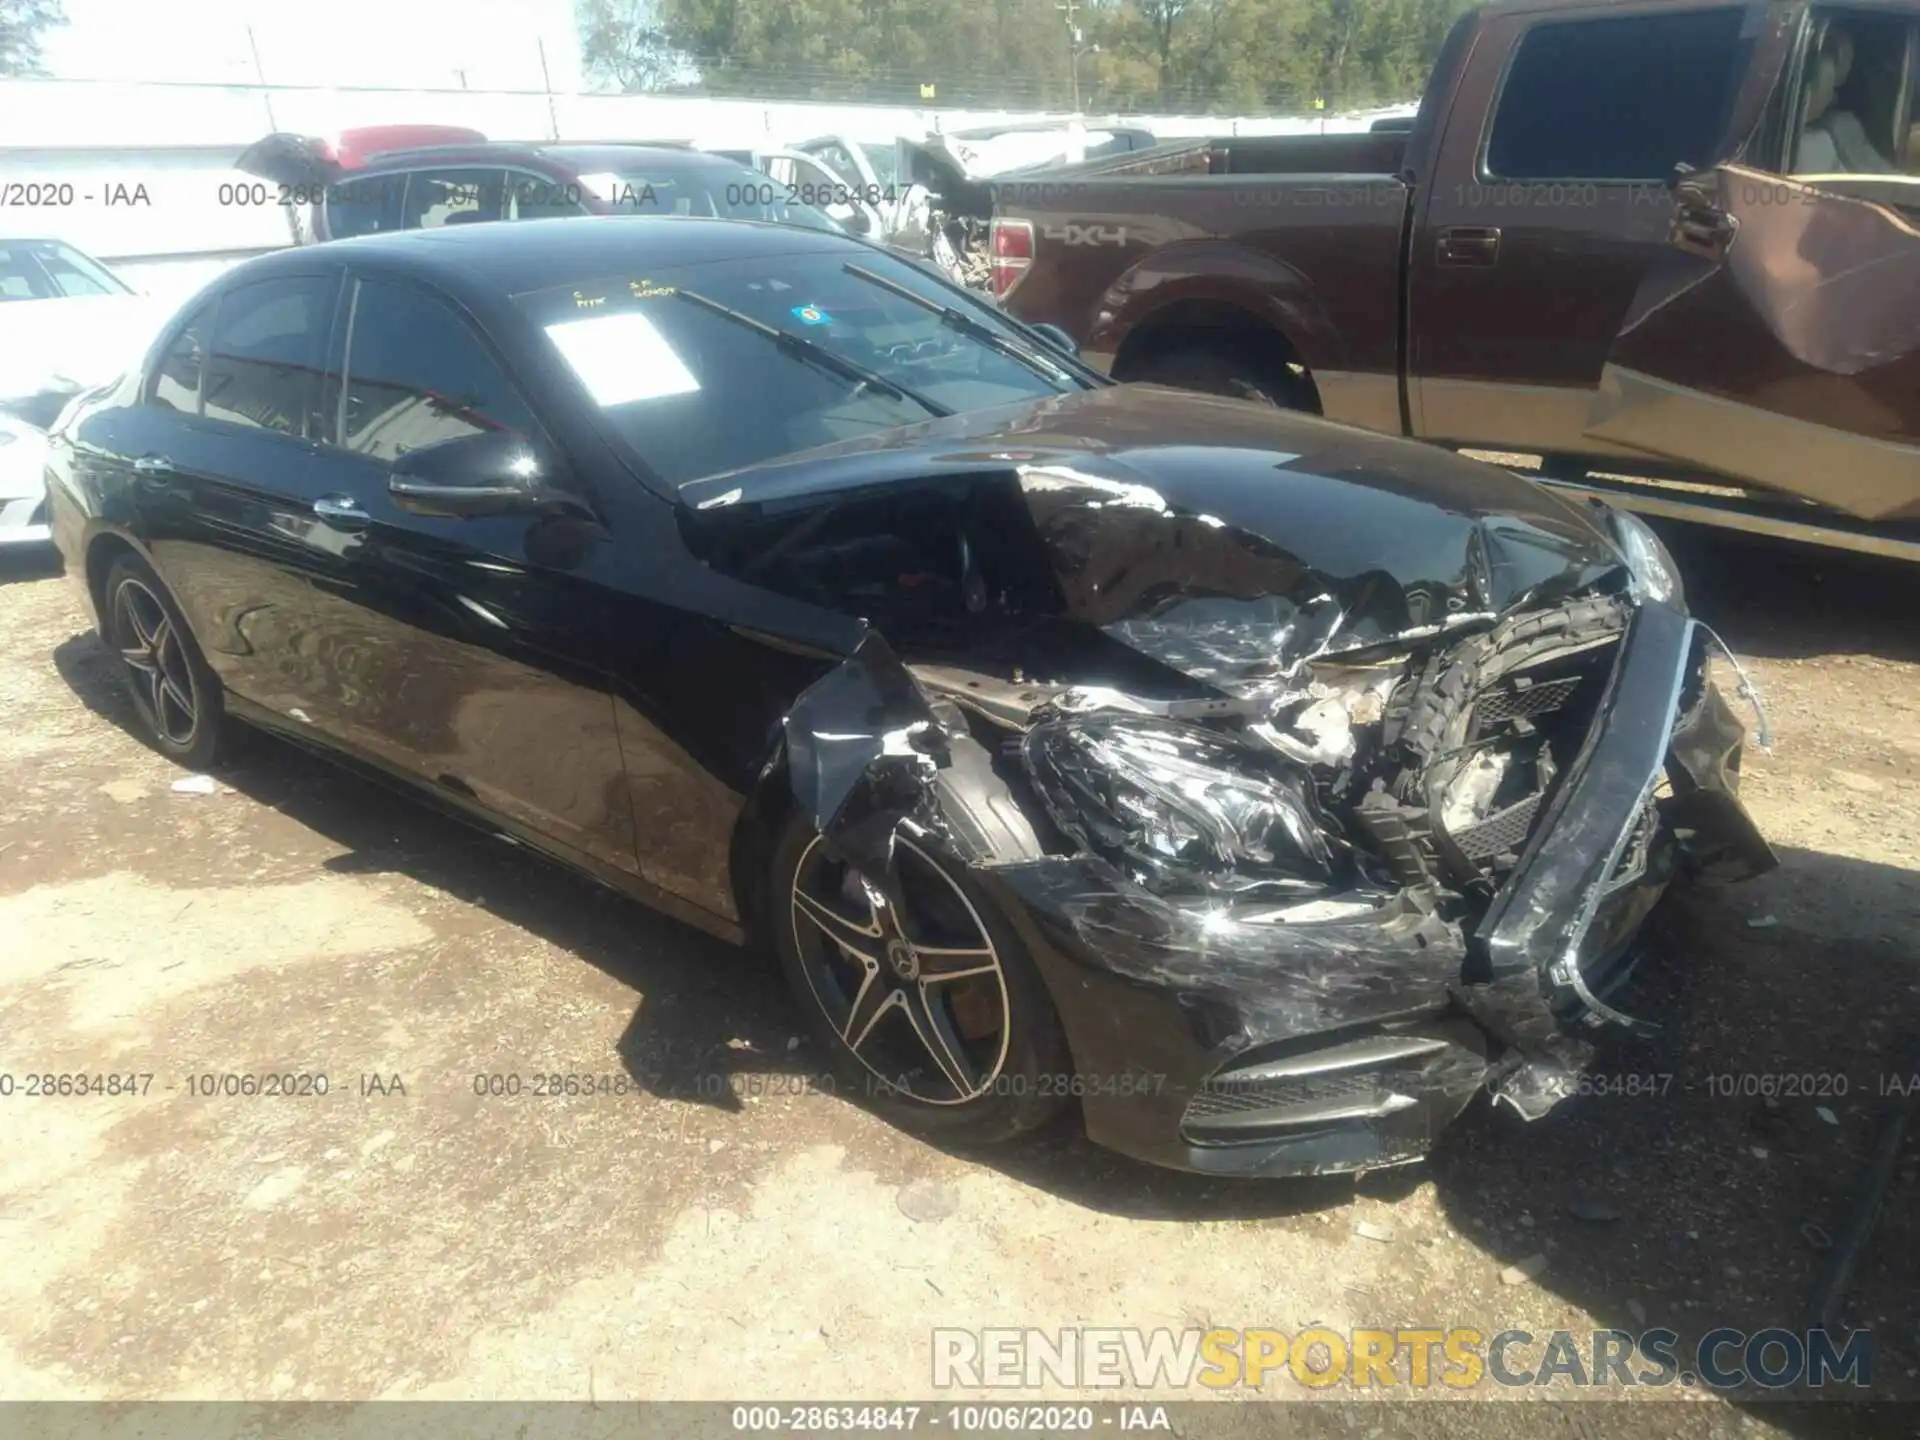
342	512
153	469
1705	231
1470	245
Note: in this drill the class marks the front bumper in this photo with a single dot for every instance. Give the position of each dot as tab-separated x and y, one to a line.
1226	1047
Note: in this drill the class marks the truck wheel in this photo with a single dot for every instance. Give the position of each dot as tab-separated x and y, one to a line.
1236	371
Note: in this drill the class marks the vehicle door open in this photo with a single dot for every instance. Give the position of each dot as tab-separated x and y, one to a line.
1776	340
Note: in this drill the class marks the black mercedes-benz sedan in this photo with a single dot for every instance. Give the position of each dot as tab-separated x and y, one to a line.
1261	786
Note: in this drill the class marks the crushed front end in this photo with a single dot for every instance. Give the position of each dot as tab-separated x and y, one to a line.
1325	790
1302	943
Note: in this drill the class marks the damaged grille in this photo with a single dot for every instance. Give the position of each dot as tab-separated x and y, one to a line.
1499	834
1239	1096
1362	1082
1521	700
1490	727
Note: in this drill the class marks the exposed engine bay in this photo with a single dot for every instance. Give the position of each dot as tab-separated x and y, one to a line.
1329	777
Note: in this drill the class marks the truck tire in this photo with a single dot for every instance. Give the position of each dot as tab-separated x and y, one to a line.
1235	370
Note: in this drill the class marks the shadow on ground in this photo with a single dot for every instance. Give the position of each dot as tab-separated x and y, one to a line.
1702	1180
1788	601
28	562
714	1014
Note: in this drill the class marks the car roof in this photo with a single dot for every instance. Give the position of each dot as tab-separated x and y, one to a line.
511	258
504	151
30	237
587	158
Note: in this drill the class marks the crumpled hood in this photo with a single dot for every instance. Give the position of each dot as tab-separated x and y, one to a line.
1219	537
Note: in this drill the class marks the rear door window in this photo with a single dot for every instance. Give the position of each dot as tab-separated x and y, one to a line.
455	197
175	382
371	205
1621	99
542	197
269	344
1856	109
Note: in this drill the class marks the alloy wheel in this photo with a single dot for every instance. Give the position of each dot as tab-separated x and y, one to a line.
151	648
916	990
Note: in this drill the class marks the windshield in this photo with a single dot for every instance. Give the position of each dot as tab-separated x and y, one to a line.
711	367
724	192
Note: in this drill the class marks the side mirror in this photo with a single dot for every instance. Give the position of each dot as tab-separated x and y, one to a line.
1057	338
494	473
859	222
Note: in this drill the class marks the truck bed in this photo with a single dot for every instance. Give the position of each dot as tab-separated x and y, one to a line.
1369	153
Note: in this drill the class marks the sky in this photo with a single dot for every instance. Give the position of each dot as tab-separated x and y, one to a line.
493	44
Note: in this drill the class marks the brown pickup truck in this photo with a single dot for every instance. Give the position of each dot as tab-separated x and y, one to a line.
1675	240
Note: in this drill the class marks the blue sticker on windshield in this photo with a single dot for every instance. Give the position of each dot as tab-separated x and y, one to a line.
811	315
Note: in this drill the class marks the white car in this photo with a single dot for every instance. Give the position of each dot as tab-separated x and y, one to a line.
23	484
67	324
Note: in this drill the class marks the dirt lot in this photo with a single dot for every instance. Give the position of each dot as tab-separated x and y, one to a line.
728	1230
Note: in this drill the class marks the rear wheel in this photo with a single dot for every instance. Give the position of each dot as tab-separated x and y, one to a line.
929	1008
1234	368
175	696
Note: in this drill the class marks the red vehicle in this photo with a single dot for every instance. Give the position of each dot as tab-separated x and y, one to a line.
1671	237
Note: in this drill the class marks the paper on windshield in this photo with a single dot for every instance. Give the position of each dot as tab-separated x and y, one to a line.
622	358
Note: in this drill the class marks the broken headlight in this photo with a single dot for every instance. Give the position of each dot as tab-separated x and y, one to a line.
1179	807
1655	576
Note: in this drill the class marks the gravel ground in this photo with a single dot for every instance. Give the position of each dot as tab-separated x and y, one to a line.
726	1229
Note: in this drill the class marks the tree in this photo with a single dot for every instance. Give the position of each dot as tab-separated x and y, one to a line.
22	23
1161	16
622	42
1233	56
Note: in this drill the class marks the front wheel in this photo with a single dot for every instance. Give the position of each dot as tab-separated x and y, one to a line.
920	993
175	696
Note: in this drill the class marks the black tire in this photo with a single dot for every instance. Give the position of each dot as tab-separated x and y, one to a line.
177	701
1026	1077
1233	368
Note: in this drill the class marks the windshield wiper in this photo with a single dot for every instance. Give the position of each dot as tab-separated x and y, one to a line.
965	324
815	353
